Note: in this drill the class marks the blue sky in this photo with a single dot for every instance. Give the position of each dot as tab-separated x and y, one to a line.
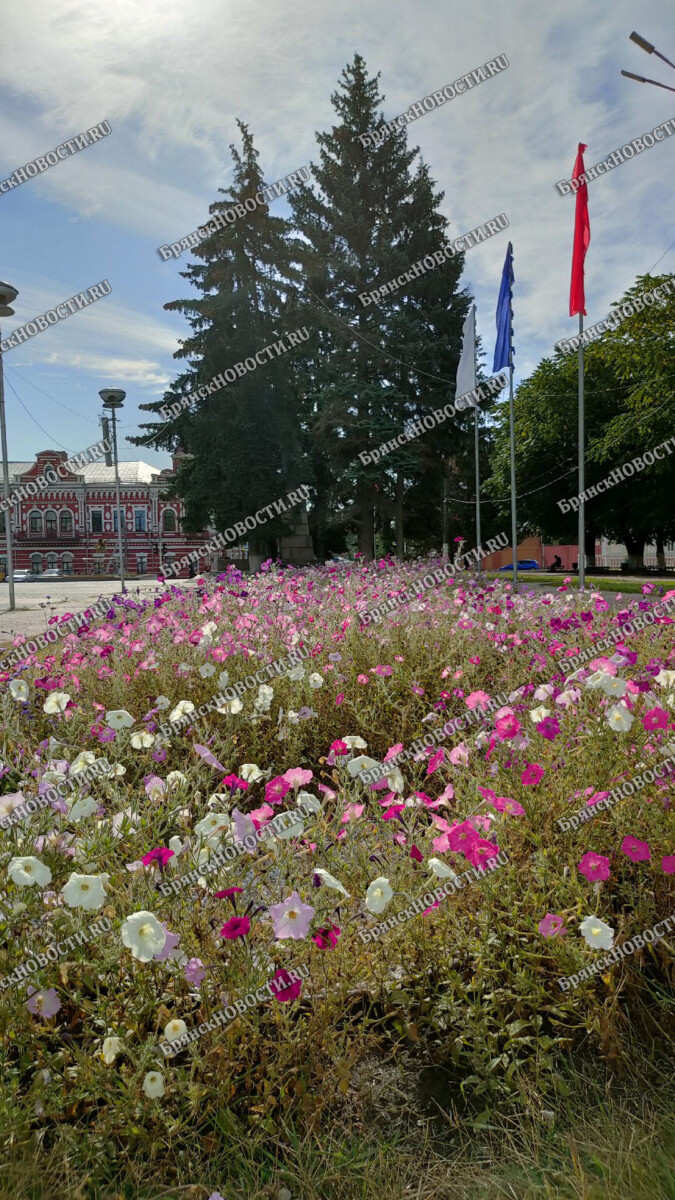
172	77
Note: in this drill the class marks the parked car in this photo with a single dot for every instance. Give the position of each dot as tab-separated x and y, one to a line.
524	564
53	573
24	577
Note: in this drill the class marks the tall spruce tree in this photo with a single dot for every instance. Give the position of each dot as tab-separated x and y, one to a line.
242	441
372	214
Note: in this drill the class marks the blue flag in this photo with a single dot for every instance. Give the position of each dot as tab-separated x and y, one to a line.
504	313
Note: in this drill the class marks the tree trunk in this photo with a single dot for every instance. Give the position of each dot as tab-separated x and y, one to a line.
636	550
399	514
366	518
660	552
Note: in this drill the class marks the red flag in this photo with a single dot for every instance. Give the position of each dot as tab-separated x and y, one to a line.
582	238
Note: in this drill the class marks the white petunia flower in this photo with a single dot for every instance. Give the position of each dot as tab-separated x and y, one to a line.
212	824
378	895
308	801
250	772
396	782
181	710
19	690
26	872
119	718
330	880
175	778
362	763
539	714
143	935
117	771
613	686
84	759
595	680
316	680
207	670
440	869
354	742
231	707
55	703
223	679
153	1084
84	891
110	1049
142	741
174	1030
162	703
84	807
666	678
598	935
296	673
619	718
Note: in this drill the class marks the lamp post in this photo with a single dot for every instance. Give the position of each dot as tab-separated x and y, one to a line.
8	295
649	49
113	398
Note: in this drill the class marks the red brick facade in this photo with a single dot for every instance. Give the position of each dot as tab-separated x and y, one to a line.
72	524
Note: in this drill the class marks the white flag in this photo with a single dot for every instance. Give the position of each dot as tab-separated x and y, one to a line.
466	371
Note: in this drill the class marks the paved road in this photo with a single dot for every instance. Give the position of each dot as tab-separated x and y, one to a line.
36	602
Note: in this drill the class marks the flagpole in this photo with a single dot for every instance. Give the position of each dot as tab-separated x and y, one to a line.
514	535
582	523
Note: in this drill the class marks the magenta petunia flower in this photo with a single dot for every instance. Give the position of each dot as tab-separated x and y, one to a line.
462	837
548	728
339	698
656	718
532	774
291	989
228	893
291	918
234	782
435	761
338	747
416	854
480	851
236	927
161	855
636	850
276	789
668	864
507	727
194	971
326	937
594	866
551	926
43	1003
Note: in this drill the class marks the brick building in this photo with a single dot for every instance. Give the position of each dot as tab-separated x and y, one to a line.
73	524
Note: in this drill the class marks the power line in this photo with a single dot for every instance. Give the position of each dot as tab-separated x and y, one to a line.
35	421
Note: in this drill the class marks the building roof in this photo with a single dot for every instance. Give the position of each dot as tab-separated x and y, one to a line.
98	473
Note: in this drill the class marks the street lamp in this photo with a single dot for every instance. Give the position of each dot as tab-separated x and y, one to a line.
8	295
113	398
649	49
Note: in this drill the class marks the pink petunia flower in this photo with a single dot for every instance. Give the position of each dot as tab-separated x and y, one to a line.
504	804
462	836
668	864
236	927
161	855
194	971
352	813
170	943
43	1003
551	926
291	918
636	850
594	866
436	761
297	777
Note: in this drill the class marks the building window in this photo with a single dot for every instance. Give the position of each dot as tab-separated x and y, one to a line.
2	522
97	520
50	524
35	524
36	564
169	520
66	522
139	520
67	564
141	564
52	561
124	520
